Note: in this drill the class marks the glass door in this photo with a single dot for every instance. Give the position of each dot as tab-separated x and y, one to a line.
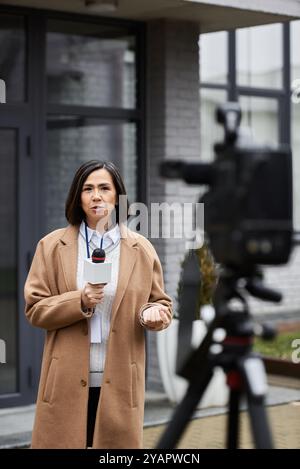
16	373
8	259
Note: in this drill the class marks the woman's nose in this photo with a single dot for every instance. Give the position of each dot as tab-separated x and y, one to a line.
96	194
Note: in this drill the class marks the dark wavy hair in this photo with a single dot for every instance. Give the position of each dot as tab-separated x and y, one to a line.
73	210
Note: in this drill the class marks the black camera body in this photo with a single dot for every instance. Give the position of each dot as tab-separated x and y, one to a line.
248	208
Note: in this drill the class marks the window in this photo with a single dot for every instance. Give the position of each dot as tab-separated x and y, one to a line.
259	56
260	115
258	77
92	106
90	64
295	76
12	57
211	131
255	78
8	259
213	62
214	57
71	141
295	54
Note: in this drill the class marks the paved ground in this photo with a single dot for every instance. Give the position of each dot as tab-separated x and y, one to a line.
210	432
206	430
208	427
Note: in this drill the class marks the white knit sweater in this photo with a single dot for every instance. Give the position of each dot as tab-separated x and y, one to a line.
103	310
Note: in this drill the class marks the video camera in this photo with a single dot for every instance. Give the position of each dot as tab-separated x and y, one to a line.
248	207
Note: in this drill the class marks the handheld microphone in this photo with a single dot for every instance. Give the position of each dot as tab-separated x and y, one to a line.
98	256
96	270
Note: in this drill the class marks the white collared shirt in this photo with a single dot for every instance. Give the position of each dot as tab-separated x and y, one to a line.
109	237
100	321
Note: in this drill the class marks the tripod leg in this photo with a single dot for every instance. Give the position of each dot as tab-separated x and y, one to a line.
256	387
233	419
183	413
260	425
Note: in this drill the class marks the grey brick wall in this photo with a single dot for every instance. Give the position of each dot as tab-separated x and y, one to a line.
173	132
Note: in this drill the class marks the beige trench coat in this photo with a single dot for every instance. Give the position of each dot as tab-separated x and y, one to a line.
54	304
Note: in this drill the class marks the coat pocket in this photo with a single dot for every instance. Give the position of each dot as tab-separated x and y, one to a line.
133	385
50	382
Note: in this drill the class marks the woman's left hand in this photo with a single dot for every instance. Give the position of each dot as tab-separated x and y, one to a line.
156	317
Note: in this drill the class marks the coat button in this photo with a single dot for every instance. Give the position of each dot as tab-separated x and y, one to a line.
83	382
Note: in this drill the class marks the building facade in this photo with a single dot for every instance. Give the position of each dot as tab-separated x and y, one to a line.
120	81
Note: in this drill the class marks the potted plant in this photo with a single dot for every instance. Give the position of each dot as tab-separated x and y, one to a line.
175	387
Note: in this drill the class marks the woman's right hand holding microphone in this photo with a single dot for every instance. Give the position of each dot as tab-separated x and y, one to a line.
92	294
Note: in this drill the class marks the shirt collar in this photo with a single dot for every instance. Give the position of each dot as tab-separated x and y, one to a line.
113	233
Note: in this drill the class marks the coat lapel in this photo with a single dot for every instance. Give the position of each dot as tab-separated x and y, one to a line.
128	254
68	256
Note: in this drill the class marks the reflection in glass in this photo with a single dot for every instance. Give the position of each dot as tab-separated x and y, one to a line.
260	115
259	56
12	56
8	259
213	50
73	141
210	130
90	64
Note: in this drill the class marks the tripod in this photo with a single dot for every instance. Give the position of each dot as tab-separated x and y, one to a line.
244	369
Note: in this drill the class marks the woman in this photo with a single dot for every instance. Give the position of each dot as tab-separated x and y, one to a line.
91	391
